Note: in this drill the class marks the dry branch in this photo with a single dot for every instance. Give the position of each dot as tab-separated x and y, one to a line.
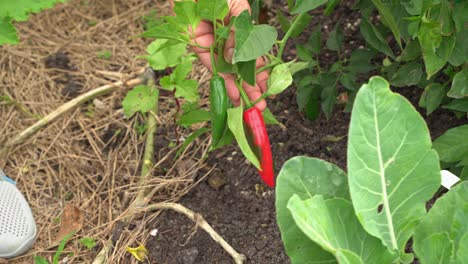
201	222
25	134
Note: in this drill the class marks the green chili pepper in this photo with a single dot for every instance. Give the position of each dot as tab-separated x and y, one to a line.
219	105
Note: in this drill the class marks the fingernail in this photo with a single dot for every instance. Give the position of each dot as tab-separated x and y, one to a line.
228	55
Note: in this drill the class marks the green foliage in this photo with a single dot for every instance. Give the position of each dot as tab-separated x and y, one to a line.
88	242
18	11
141	99
370	215
187	89
105	54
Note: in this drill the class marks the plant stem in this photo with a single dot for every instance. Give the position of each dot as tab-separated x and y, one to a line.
243	95
148	156
288	35
213	63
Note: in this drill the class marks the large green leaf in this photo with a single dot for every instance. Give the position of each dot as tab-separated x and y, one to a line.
303	6
306	177
459	85
166	31
236	125
441	237
333	225
165	53
19	10
372	36
392	167
142	99
213	9
452	146
252	41
187	13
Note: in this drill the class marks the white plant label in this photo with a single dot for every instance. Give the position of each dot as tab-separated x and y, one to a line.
448	179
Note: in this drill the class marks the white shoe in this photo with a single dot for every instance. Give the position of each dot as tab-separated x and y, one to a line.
17	226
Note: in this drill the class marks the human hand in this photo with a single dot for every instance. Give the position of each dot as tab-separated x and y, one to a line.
204	36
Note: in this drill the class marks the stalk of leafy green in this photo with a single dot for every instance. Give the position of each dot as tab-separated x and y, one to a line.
306	177
372	36
252	41
442	235
452	146
332	225
392	167
459	85
187	89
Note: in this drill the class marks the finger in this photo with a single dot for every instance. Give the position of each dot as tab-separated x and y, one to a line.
231	88
236	7
253	92
204	37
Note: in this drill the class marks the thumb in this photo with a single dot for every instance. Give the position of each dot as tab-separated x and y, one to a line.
236	7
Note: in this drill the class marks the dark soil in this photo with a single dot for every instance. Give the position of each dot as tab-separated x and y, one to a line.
242	211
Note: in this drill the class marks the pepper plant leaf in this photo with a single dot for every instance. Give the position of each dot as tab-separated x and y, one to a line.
458	105
246	70
306	177
303	6
252	41
452	146
335	39
280	79
407	75
7	32
332	224
236	125
213	10
459	85
165	53
392	167
20	9
441	237
187	13
388	19
432	96
372	36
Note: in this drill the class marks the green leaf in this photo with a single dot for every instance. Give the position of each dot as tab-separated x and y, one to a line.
329	94
284	22
140	99
411	52
20	9
331	7
303	6
459	85
332	224
441	235
247	71
372	36
269	118
458	105
315	40
40	260
213	10
295	67
460	51
392	167
433	95
407	75
452	146
88	242
413	7
166	31
306	177
7	32
459	15
301	25
252	41
187	89
165	53
360	61
187	13
447	25
61	247
280	79
236	125
196	134
335	39
388	19
194	117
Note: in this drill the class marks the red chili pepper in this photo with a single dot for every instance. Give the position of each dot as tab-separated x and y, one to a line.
258	138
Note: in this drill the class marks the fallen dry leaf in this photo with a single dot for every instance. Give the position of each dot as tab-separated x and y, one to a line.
72	221
139	253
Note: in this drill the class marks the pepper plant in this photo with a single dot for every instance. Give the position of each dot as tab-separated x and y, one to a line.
411	43
245	123
370	214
